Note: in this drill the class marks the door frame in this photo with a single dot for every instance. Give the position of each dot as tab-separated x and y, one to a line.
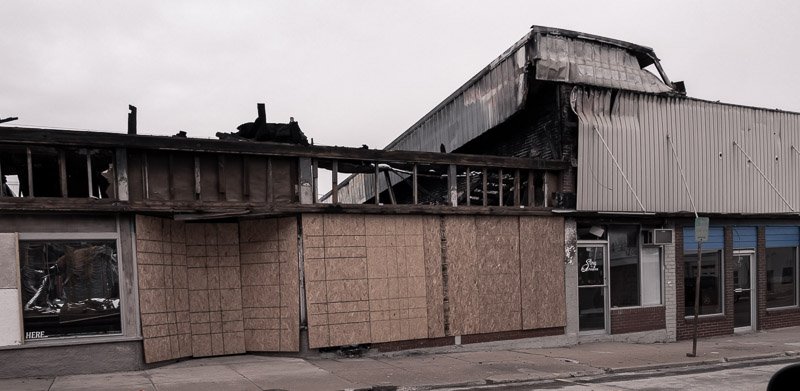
606	299
753	290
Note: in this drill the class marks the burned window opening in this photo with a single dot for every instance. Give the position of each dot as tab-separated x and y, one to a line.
69	288
56	172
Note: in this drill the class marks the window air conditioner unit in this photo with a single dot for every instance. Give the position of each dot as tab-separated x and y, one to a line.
657	236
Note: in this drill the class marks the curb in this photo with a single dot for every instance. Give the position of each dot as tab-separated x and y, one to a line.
614	374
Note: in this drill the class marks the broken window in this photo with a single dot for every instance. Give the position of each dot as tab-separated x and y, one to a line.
69	288
56	172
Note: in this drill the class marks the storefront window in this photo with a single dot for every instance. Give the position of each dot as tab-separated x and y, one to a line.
710	282
781	277
623	246
69	288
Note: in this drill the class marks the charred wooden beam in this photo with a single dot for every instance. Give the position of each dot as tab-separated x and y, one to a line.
335	182
121	173
30	171
485	189
414	185
62	172
516	188
33	136
389	187
197	178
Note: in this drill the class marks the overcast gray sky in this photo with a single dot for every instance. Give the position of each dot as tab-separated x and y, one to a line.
351	72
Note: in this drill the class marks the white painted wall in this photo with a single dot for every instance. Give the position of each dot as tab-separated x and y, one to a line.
10	305
10	322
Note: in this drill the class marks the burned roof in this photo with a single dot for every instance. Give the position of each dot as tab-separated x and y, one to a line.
544	54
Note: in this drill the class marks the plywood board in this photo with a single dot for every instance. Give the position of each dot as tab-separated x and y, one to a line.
462	268
542	278
434	289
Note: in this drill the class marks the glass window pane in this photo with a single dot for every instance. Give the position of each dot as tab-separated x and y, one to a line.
710	283
651	275
590	265
623	245
69	288
781	277
591	310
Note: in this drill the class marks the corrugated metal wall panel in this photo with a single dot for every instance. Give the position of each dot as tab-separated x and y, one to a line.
718	174
492	99
716	240
744	237
782	236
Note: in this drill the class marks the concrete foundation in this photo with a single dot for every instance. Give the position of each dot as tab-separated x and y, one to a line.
72	359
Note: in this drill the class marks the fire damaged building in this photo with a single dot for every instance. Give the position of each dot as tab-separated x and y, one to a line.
552	198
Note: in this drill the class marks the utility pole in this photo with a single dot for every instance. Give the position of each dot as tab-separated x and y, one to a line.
700	235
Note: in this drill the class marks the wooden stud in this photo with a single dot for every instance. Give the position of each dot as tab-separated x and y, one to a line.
516	188
500	187
469	202
121	173
62	172
270	187
335	182
315	181
392	199
531	195
485	186
30	172
145	179
452	184
245	177
222	182
2	185
170	176
197	178
546	189
414	185
377	187
89	172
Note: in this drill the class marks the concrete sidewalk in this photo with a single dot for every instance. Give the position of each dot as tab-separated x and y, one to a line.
477	364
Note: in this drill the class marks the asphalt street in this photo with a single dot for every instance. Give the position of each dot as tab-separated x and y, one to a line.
735	379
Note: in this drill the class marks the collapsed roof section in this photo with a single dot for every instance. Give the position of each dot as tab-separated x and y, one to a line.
543	55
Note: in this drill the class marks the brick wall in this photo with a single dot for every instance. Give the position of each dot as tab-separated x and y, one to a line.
631	320
709	325
770	319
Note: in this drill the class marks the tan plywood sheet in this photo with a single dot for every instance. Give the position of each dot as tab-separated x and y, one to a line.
163	293
542	278
432	252
462	267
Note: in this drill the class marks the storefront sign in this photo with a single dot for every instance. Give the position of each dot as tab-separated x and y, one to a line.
589	266
34	334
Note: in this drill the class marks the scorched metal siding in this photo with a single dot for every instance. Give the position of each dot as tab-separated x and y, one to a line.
720	177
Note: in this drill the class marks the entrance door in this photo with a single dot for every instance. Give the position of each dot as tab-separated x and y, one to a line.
743	294
592	284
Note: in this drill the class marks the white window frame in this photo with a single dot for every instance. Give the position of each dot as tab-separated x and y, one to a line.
64	236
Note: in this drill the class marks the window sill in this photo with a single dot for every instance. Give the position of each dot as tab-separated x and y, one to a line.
71	341
705	317
792	308
634	307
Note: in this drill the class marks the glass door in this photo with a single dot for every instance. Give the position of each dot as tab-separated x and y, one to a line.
743	294
592	297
